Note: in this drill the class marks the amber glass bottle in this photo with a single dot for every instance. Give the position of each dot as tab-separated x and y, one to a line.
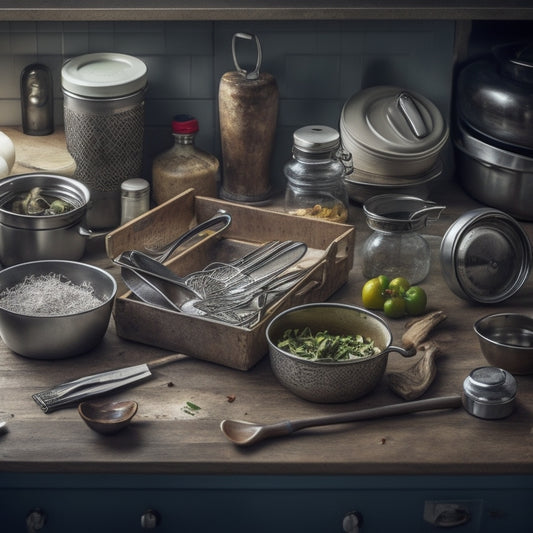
184	165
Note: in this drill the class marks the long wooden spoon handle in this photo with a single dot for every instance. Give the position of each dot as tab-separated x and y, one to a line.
166	360
445	402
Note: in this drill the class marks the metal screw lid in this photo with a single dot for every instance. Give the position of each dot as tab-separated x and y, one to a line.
316	138
490	385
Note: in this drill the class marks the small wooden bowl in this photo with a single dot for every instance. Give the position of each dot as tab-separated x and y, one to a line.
108	417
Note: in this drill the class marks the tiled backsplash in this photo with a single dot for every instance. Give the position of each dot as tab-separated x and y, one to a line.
317	65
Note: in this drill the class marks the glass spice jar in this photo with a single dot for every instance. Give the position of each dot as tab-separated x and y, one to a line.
315	175
184	165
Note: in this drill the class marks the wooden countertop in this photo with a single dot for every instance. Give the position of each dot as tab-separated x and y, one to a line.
165	439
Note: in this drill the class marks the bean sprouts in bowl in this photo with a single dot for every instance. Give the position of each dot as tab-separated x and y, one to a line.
54	309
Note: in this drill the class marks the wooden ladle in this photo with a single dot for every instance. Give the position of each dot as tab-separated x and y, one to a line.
246	433
107	418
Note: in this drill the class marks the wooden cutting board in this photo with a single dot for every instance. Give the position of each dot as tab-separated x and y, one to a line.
44	153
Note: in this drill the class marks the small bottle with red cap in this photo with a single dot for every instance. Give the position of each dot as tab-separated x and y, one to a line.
184	165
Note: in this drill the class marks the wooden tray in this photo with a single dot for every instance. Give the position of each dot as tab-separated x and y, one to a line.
330	256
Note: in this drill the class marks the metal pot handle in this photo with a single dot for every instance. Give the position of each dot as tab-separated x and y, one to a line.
402	351
254	74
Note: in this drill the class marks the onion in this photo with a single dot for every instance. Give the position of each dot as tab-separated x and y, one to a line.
4	168
7	150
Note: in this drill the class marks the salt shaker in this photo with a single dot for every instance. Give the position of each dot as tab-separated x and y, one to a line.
135	198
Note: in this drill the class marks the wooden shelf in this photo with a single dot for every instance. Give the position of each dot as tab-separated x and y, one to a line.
218	10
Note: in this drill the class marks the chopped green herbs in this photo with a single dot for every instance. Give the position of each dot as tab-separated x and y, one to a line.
191	408
324	346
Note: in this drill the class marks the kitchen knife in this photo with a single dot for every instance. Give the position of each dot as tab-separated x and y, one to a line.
97	384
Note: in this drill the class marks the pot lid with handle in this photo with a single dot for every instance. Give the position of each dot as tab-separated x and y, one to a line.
494	97
394	122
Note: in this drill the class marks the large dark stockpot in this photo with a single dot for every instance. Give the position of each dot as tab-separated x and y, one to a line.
495	97
493	129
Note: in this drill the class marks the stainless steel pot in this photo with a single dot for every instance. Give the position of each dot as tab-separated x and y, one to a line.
494	176
495	96
35	237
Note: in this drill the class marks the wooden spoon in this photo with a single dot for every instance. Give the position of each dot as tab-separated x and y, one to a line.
107	417
247	433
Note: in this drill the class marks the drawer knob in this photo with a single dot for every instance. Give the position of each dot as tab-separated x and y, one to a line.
35	520
150	519
352	522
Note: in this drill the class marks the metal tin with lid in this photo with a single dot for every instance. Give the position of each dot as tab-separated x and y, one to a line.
489	392
485	256
103	95
392	131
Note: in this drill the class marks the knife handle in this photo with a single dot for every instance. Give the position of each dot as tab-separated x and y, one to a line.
166	360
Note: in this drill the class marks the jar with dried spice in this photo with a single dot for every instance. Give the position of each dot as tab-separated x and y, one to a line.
315	175
184	165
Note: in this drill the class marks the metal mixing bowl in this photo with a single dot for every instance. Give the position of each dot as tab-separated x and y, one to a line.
57	337
506	340
331	382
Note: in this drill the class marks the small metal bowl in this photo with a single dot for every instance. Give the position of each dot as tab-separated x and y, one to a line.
338	381
506	340
57	336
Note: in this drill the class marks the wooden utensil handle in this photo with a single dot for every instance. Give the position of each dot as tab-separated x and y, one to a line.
166	360
445	402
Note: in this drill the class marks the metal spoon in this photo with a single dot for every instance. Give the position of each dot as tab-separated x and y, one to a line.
155	291
206	283
145	264
221	218
247	433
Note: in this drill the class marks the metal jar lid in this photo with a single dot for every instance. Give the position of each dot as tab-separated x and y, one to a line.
104	75
489	392
485	256
316	139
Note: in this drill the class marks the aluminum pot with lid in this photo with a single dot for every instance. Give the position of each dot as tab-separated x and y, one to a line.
392	131
485	256
495	96
26	238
